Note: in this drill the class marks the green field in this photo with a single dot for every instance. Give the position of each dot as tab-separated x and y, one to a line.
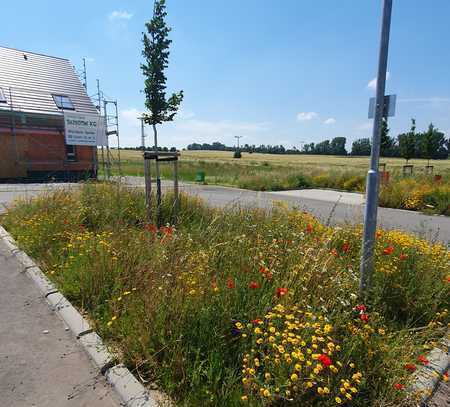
133	164
270	172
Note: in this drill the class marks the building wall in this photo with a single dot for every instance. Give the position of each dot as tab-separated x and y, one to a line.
40	152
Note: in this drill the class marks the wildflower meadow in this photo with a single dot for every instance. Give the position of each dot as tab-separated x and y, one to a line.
241	307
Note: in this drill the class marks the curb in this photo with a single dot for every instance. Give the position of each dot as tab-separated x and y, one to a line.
130	390
428	377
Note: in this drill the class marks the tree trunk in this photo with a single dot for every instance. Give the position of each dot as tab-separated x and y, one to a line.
158	181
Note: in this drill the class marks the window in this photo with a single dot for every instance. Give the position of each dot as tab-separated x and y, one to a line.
2	96
63	102
71	153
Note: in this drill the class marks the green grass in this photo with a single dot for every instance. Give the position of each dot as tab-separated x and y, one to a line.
180	306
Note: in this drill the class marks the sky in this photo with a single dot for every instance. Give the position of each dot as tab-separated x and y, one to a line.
290	72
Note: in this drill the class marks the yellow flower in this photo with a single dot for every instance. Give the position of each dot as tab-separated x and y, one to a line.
294	377
338	400
244	398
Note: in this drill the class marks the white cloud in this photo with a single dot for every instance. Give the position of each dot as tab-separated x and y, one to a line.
306	116
119	15
373	83
330	120
186	129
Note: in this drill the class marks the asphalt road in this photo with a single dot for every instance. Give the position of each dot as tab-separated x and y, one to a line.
329	206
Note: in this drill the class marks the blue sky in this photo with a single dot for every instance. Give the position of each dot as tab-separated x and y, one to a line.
272	72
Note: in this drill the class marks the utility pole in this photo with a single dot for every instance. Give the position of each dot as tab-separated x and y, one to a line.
142	133
370	216
238	138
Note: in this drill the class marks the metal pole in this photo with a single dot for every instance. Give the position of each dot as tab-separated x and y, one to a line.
118	139
84	74
142	133
108	154
100	112
370	216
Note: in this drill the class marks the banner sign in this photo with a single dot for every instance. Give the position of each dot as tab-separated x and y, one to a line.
82	129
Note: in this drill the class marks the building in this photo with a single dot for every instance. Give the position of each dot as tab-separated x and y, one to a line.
35	91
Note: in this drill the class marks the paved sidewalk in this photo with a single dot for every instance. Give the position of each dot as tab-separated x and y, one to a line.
41	364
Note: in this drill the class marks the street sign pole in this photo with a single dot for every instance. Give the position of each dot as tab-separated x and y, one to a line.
370	216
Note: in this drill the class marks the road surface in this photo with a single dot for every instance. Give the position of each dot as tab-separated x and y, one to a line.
329	206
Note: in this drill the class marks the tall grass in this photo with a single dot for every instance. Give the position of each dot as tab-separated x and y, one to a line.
193	307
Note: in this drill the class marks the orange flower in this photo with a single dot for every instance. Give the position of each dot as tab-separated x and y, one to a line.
388	250
403	256
345	247
334	252
309	228
399	386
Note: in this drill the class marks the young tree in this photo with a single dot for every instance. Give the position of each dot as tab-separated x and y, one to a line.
407	142
156	55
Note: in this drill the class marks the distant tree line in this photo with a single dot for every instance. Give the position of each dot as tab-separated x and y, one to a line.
430	144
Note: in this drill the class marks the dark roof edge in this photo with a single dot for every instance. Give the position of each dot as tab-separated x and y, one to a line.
35	53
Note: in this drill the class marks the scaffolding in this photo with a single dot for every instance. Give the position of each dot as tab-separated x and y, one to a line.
108	109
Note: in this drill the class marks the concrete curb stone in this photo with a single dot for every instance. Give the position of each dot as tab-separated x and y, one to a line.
429	376
130	390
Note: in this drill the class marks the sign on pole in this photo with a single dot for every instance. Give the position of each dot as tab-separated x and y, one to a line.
388	106
84	129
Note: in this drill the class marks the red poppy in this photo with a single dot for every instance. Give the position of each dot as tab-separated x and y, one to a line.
403	256
345	247
326	361
361	307
399	386
230	283
410	367
364	317
448	279
423	360
256	321
168	230
309	228
388	250
151	228
254	285
281	292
